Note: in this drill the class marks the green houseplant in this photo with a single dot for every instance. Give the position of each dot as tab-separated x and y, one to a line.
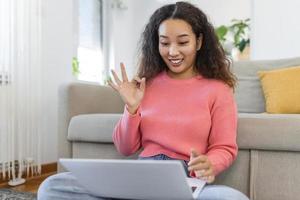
236	33
75	67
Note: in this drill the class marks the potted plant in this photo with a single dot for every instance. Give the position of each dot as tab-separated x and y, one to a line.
235	36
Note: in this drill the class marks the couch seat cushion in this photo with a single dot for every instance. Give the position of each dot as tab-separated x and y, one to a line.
280	132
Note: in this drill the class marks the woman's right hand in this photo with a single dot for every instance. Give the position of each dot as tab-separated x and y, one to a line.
131	92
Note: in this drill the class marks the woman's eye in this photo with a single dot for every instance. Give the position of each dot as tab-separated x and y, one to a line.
164	43
183	43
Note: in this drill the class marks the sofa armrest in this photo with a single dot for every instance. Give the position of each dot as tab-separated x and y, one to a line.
82	98
279	132
93	127
91	98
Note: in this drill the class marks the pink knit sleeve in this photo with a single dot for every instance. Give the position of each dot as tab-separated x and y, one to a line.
126	135
222	147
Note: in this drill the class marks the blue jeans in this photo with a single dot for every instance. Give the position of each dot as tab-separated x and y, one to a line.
64	186
164	157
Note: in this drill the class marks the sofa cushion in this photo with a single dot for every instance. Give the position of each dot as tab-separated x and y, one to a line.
246	72
250	68
281	89
269	131
249	96
93	127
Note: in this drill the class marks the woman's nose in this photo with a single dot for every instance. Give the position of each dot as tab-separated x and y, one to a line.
173	50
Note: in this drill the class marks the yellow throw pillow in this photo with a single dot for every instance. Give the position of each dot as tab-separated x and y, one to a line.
281	89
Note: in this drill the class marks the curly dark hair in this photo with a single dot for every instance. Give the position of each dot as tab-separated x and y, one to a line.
211	61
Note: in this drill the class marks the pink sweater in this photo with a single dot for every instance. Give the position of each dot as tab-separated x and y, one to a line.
177	115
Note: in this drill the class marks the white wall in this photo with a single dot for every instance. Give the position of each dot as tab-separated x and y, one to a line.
57	51
222	12
275	29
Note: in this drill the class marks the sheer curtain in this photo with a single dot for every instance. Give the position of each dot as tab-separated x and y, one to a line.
20	89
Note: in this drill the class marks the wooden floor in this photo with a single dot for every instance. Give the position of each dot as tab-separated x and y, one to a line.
31	185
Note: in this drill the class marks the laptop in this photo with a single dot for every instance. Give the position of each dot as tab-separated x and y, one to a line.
134	179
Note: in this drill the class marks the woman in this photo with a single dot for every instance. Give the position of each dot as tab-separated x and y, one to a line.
180	106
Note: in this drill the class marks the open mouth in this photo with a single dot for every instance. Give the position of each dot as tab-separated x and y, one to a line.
176	62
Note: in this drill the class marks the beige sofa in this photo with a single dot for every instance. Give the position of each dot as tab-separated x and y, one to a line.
268	163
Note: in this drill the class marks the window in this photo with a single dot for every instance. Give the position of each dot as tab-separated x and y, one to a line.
90	41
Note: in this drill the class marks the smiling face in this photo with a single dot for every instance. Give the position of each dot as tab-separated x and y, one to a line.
178	46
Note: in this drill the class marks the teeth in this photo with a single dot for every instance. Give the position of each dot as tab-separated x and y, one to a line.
176	61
